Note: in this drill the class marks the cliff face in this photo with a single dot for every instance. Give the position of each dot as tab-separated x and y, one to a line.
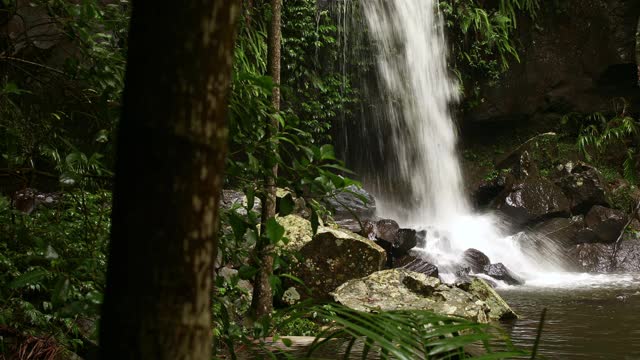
578	55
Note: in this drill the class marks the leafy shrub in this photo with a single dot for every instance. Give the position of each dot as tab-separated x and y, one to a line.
52	266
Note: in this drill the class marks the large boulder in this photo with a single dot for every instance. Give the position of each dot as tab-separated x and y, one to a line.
627	257
488	189
331	257
386	230
400	289
475	260
603	258
583	185
415	261
595	258
532	200
500	272
563	231
606	224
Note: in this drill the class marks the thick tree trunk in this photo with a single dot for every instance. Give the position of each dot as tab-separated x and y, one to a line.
638	50
262	302
171	150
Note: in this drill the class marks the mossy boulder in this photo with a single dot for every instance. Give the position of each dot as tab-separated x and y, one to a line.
331	257
400	289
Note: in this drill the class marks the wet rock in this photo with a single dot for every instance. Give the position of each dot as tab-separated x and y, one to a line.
586	235
593	257
628	255
387	230
583	185
421	239
607	224
488	189
353	200
415	262
406	239
500	272
532	200
564	231
604	258
329	258
400	289
475	260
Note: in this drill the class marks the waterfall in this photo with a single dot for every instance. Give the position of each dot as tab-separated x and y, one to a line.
406	144
412	65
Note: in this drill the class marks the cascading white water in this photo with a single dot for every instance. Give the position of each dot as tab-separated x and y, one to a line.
412	64
411	60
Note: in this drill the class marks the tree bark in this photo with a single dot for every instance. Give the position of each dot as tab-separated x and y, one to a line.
169	174
262	301
638	50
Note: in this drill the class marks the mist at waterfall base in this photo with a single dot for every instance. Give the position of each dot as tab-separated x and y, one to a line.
417	140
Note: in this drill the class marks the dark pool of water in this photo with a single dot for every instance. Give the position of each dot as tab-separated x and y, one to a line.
584	322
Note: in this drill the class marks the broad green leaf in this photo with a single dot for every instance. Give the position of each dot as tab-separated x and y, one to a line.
314	221
28	278
247	272
327	152
238	225
286	205
274	231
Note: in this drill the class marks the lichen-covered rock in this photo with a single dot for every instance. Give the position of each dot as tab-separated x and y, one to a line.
499	309
532	200
400	289
297	230
331	257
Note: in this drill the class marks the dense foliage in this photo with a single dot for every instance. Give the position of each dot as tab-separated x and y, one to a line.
483	39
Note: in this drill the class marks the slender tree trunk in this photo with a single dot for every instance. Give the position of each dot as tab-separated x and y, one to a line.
262	302
169	173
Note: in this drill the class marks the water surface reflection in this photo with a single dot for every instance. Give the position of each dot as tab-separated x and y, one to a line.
600	320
